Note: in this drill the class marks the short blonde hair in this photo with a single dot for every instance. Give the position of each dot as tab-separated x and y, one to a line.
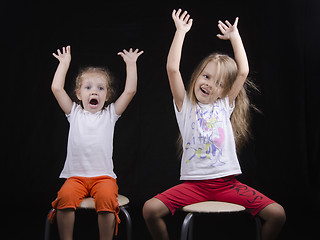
105	73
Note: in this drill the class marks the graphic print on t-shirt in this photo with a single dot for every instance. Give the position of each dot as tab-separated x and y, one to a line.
207	134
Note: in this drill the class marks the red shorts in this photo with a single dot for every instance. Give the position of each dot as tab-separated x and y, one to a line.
227	189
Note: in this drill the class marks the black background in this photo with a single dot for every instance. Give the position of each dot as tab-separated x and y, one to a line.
282	160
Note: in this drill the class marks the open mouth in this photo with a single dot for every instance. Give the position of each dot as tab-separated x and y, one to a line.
94	101
204	91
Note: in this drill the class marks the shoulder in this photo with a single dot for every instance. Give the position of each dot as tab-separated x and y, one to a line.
76	108
110	111
185	105
224	103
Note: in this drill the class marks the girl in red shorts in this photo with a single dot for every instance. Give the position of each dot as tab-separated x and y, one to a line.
89	167
212	116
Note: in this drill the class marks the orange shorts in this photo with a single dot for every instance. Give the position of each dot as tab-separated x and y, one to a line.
103	189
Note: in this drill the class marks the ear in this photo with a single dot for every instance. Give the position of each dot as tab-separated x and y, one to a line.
78	94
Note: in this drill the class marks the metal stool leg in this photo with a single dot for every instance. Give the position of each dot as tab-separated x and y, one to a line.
187	226
47	227
122	209
128	222
258	228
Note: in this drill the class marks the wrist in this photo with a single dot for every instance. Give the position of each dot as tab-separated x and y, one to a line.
235	36
180	31
131	63
64	64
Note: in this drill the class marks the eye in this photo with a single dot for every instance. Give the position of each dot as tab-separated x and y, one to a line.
206	76
101	88
219	84
87	87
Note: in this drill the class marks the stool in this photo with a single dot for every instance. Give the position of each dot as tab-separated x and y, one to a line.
88	203
209	207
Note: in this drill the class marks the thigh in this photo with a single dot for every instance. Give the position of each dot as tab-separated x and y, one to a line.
239	193
182	195
70	194
104	190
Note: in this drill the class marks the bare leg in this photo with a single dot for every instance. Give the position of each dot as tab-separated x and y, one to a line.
275	217
106	222
65	220
153	212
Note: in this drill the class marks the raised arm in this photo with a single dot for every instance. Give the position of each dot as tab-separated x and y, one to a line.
130	58
230	32
183	25
57	85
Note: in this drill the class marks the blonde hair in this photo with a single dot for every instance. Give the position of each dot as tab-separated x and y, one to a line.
105	73
227	72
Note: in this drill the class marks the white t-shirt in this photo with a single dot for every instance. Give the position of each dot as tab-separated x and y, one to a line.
90	143
209	149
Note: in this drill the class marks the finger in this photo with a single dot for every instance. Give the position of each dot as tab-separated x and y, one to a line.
178	13
139	53
55	55
125	51
187	18
221	28
63	50
130	50
68	49
173	14
190	22
224	27
183	15
137	50
236	22
228	23
59	53
120	54
220	36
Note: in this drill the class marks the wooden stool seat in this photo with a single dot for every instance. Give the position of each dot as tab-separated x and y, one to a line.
88	203
213	207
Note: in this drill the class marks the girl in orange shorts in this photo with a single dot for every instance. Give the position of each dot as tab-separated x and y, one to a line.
89	167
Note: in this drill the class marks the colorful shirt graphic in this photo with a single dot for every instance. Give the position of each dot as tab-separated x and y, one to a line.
208	142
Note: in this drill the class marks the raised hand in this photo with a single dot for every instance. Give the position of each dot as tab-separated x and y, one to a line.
182	21
131	56
65	56
228	30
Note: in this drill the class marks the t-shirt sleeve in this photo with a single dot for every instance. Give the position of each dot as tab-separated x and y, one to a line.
73	108
183	105
227	106
181	115
112	110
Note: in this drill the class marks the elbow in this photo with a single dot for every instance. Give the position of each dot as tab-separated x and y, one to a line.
172	70
243	73
56	89
131	93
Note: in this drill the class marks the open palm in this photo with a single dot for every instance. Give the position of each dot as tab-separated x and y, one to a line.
227	29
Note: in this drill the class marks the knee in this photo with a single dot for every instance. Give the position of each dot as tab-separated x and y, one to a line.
151	209
106	202
279	215
275	213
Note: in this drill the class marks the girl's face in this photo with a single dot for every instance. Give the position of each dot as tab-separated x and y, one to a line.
208	88
93	92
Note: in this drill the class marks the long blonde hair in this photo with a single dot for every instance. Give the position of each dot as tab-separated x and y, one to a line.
227	72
